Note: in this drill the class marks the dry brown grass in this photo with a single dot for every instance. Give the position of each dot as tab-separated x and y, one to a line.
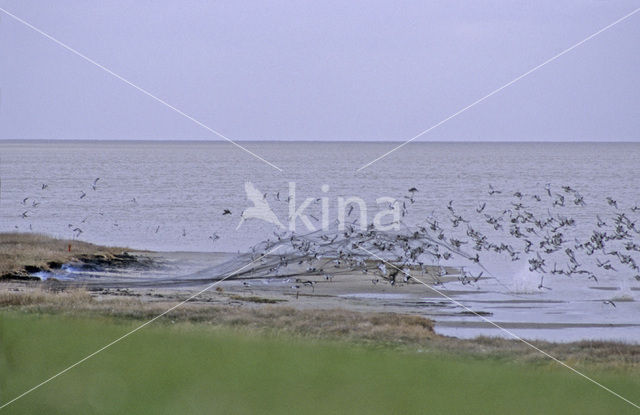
24	250
43	297
390	329
575	354
255	299
342	324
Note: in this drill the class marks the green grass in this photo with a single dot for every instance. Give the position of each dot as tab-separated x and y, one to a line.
193	368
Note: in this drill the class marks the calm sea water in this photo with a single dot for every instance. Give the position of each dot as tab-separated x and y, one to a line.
171	196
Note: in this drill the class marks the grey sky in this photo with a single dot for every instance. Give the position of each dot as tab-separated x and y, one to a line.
324	70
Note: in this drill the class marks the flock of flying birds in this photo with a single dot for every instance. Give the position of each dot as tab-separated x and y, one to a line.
31	204
551	243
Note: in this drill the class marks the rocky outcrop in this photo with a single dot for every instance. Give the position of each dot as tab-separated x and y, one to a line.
94	262
105	261
19	276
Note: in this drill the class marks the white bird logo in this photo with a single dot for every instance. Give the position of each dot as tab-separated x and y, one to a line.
260	208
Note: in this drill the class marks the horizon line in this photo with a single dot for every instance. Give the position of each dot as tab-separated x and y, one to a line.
341	140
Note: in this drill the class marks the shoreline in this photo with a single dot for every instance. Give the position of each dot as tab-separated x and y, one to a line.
150	280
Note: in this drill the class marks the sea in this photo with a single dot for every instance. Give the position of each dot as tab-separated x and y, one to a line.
190	196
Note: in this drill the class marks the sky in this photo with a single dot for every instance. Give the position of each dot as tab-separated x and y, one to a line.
320	70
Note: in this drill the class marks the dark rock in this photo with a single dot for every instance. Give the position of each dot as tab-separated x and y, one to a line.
54	264
18	276
123	260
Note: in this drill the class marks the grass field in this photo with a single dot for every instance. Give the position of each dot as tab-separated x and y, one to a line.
193	368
